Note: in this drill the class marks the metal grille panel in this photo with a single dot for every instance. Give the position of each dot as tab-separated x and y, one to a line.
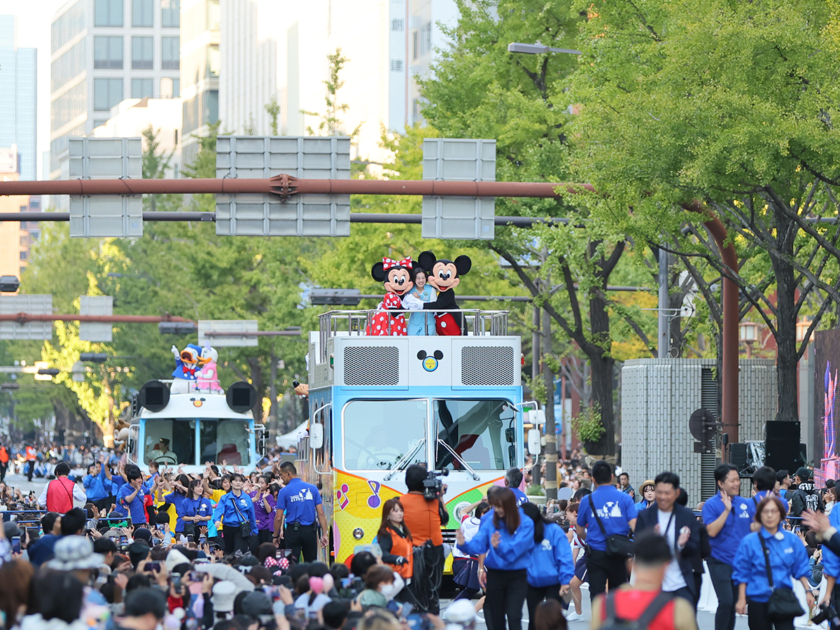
487	365
377	365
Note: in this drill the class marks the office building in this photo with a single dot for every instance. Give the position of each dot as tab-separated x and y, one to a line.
132	117
278	49
18	98
16	238
106	51
200	70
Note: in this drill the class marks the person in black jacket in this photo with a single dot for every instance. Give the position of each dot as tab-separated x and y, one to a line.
705	546
678	525
806	496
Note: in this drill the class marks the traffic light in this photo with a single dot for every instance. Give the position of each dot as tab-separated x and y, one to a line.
177	328
93	357
9	284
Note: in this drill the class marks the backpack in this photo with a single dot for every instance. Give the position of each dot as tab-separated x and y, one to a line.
612	622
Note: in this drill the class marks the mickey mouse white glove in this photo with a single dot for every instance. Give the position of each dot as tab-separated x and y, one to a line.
411	303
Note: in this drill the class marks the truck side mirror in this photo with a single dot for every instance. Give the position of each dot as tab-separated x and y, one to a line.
316	436
533	441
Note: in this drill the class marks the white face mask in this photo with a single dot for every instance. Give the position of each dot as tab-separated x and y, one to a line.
388	591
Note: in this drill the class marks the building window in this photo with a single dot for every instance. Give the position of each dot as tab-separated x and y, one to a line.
426	38
170	53
141	88
142	13
108	52
24	255
70	24
141	53
396	25
108	13
170	88
67	67
68	107
24	240
396	65
170	13
214	61
107	93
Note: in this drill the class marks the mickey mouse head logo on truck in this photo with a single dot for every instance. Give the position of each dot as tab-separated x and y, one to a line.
430	361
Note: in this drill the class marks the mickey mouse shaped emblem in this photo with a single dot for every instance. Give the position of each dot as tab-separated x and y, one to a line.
444	277
430	362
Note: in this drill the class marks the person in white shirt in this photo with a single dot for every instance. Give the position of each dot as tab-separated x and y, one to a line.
680	528
465	567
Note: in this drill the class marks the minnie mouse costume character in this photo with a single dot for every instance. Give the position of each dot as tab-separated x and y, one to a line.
444	276
395	276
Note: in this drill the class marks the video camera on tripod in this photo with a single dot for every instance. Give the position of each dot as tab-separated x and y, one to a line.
433	484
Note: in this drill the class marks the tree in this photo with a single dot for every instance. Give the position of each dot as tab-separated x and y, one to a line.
730	105
273	111
331	124
479	90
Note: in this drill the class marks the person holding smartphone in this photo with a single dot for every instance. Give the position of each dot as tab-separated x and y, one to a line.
727	519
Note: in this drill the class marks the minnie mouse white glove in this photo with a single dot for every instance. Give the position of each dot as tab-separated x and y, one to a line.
411	303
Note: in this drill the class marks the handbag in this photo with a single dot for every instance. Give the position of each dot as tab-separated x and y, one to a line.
244	524
783	603
618	545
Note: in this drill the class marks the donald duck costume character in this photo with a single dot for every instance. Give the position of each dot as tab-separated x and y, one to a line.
188	364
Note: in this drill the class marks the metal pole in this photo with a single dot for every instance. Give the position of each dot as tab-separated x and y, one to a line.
23	318
664	333
535	343
729	360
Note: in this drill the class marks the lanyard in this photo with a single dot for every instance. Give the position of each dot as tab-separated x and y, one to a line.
667	527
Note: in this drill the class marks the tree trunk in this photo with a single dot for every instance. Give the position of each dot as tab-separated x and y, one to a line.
602	365
786	361
550	425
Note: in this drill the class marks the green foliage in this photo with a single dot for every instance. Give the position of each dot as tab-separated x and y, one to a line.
273	111
535	491
331	124
587	424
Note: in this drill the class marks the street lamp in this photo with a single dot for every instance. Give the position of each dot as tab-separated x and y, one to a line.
539	49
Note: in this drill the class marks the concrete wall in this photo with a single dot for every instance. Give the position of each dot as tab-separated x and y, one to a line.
658	397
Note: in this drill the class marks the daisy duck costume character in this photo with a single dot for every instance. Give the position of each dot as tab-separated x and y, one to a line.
395	276
207	380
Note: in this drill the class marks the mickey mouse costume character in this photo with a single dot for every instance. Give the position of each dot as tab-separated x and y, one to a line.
444	276
395	276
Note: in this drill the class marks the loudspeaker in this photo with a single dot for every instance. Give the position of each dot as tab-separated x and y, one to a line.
782	447
738	455
781	430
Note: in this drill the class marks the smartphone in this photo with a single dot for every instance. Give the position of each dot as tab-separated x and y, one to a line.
158	542
202	540
123	540
176	581
15	544
152	567
91	524
796	529
161	527
406	610
190	538
195	576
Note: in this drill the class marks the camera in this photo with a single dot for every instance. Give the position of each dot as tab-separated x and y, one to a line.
433	484
827	613
350	588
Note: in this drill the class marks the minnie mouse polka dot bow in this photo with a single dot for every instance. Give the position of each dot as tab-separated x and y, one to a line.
387	263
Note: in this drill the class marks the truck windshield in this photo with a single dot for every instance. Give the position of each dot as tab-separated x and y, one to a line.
377	433
478	431
225	442
169	441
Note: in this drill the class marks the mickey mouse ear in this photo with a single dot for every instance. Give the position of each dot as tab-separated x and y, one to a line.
421	355
438	355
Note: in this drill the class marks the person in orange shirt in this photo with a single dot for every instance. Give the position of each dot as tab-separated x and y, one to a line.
424	519
4	462
31	457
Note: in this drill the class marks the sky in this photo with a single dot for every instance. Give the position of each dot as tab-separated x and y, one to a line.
33	31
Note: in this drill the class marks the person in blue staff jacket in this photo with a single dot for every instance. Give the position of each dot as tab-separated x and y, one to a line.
788	559
508	539
234	509
617	514
727	519
550	567
97	487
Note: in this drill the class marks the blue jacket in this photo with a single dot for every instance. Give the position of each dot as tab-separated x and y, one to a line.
513	551
229	512
551	560
831	559
788	558
95	486
735	529
176	499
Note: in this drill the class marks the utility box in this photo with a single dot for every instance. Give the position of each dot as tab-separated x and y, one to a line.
658	397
